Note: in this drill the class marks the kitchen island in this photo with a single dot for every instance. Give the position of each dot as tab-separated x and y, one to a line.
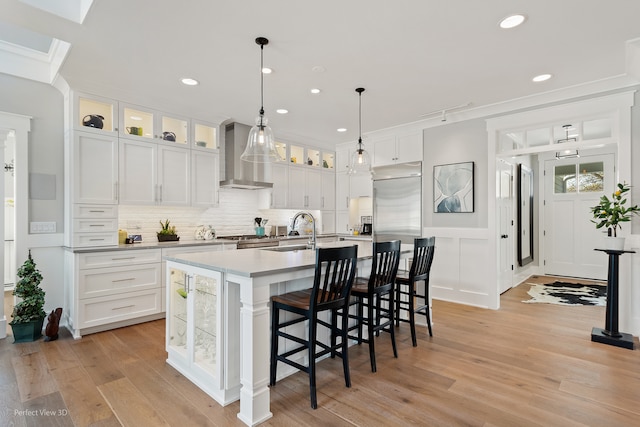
223	299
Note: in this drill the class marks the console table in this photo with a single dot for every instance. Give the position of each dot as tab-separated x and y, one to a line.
610	334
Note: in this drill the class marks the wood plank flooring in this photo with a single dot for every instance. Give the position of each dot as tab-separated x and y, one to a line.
522	365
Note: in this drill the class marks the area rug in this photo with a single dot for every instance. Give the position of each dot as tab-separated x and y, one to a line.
564	293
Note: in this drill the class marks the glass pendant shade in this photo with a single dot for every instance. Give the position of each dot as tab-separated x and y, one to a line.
261	147
360	161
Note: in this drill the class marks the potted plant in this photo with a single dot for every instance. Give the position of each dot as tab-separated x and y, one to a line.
167	233
28	314
611	212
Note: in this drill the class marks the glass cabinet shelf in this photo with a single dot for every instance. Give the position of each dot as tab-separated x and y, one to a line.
281	148
174	130
137	122
204	136
328	160
297	155
96	114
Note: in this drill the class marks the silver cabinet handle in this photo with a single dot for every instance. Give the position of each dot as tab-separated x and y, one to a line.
123	280
124	306
160	192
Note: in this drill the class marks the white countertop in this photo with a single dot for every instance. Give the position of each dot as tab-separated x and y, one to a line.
262	262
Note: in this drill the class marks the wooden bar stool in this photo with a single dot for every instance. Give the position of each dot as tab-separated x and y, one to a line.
371	292
423	250
332	283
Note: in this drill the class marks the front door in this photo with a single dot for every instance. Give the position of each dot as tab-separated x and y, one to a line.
571	188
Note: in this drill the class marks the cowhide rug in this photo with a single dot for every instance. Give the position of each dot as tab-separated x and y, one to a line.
564	293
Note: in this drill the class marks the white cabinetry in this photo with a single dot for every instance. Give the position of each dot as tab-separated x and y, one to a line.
397	149
205	178
153	174
328	191
279	192
196	330
109	289
304	188
95	160
360	185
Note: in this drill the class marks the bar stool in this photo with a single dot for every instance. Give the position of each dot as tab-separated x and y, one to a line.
371	292
423	250
332	283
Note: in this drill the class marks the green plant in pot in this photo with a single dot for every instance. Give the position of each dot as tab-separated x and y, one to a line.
167	233
28	314
610	213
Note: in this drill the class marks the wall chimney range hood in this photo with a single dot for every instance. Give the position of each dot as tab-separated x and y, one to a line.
238	173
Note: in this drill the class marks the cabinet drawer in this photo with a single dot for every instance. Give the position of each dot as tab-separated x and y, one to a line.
117	280
114	308
95	239
95	211
118	258
94	225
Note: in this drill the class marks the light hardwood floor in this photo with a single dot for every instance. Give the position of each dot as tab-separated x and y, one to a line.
522	365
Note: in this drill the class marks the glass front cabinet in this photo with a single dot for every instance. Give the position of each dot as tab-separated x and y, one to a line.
194	331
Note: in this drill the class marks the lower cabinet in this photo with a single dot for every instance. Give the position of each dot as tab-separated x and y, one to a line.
196	330
110	289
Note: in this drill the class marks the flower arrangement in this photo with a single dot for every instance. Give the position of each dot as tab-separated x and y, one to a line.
611	212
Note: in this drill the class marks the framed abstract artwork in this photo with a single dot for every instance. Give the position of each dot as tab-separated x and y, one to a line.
453	188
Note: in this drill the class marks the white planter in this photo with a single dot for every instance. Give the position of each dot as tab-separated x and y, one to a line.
614	243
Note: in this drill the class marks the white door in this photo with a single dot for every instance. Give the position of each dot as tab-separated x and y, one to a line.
505	226
571	188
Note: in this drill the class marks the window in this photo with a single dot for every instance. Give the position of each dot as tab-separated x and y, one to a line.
579	177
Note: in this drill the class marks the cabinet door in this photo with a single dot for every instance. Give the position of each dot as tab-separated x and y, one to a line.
342	191
95	166
342	159
361	186
328	200
313	189
328	222
409	148
137	173
280	178
297	188
342	221
384	152
173	176
205	178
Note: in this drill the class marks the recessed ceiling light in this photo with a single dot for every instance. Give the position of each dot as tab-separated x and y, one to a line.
266	70
541	78
282	111
341	129
138	118
512	21
315	91
189	82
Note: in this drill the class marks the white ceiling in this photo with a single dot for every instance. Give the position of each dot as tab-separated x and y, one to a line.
412	56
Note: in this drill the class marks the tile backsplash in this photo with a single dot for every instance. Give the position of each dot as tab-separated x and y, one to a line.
234	215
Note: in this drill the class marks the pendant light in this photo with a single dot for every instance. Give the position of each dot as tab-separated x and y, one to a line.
567	154
360	159
260	144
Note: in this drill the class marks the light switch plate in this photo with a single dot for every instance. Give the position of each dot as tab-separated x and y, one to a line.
42	227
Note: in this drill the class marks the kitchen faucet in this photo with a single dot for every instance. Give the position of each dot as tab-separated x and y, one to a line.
313	221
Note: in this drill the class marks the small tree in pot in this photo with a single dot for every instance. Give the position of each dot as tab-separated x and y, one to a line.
610	213
28	314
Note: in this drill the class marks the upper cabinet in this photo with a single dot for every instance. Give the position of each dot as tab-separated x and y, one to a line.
397	149
205	136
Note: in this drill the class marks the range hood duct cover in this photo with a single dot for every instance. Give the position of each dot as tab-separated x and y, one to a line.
238	173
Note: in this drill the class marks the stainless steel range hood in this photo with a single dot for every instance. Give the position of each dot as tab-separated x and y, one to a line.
238	173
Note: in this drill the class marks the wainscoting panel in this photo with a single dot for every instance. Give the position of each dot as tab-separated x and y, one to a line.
463	269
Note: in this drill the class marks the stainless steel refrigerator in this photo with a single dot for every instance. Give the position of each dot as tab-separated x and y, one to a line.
397	202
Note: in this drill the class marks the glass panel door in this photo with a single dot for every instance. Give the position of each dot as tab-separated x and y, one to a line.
205	313
178	311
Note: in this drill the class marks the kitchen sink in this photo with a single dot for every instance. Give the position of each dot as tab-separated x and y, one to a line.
289	248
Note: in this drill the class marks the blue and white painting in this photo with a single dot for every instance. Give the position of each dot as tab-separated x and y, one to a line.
453	188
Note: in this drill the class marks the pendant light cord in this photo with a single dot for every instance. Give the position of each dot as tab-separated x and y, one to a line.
360	90
261	83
